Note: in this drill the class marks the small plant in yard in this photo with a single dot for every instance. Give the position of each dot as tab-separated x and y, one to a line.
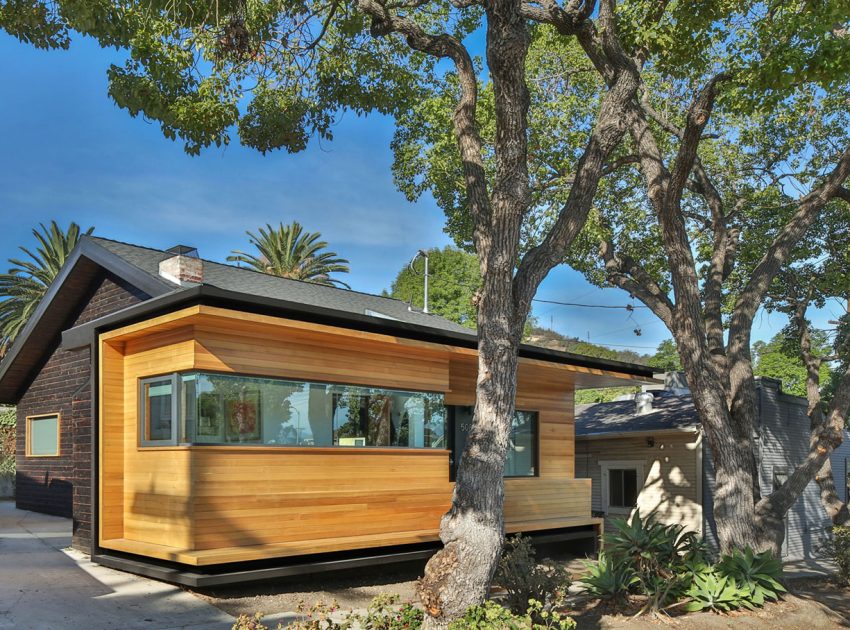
246	622
609	579
758	574
718	593
837	549
493	616
385	613
524	579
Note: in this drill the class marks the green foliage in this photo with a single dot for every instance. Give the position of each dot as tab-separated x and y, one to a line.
837	549
290	252
715	592
8	424
525	579
609	579
493	616
780	359
454	277
758	574
385	613
666	357
662	557
23	286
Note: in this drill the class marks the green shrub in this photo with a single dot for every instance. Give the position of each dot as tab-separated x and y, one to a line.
758	574
837	549
711	591
384	613
493	616
8	421
662	557
609	579
525	579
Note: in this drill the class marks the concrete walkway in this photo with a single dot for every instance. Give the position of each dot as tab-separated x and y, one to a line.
45	585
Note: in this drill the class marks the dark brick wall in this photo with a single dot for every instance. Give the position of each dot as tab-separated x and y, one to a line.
62	485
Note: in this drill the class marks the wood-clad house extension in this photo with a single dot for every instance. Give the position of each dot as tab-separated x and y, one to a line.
247	418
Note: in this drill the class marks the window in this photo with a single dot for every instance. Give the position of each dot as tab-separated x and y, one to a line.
158	411
522	442
229	409
42	438
621	484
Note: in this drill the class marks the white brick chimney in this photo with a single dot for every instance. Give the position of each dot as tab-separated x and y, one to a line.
183	267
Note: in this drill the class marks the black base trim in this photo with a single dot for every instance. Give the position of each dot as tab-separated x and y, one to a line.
241	572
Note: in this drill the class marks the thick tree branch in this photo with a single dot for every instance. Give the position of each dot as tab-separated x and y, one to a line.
627	274
780	251
465	127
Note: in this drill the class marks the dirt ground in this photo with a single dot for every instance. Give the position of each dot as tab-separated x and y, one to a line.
812	604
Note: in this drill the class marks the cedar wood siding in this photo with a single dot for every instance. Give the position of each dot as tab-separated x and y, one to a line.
670	469
62	485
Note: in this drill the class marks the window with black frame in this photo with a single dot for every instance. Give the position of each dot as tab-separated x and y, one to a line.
521	459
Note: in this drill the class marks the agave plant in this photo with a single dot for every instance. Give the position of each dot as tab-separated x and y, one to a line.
718	593
609	579
757	573
290	252
25	284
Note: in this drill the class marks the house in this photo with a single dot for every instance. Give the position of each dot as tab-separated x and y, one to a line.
205	423
649	453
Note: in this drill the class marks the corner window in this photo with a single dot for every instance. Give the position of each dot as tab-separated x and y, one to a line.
621	485
206	408
42	438
158	411
521	460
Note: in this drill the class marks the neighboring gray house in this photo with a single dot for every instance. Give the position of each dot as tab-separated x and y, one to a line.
649	453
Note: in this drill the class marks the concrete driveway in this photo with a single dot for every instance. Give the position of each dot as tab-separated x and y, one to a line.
44	585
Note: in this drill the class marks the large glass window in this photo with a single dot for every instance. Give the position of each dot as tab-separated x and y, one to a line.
522	443
43	436
228	409
622	488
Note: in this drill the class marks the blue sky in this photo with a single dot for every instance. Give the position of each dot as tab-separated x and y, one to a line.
68	153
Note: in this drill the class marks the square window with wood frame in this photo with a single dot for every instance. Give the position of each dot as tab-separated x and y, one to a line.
42	438
622	488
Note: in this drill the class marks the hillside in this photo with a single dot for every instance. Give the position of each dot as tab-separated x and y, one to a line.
553	340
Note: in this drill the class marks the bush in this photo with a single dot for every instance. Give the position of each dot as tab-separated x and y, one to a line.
384	613
8	421
718	593
661	557
757	574
609	579
524	579
493	616
837	549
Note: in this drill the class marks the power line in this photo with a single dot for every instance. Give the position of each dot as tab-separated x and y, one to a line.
628	307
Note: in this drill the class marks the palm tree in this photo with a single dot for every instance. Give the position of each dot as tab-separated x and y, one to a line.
22	288
290	252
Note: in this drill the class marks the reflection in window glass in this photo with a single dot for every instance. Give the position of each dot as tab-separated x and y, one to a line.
158	409
225	409
523	439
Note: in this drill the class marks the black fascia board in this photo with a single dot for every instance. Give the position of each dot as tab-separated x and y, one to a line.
214	296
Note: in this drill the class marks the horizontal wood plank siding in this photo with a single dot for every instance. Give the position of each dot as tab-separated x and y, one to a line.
210	504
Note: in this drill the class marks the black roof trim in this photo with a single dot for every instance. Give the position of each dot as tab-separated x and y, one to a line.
213	296
13	377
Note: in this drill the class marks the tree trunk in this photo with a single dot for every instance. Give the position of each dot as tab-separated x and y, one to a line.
472	532
835	508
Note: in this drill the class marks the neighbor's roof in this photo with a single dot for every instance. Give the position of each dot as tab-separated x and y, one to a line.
669	413
230	286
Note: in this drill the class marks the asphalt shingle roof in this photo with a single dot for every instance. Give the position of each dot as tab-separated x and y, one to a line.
668	412
248	281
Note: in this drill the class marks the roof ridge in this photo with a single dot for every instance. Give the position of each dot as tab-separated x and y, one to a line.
269	275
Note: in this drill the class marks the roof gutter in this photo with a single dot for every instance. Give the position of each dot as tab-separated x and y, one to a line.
208	295
635	433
